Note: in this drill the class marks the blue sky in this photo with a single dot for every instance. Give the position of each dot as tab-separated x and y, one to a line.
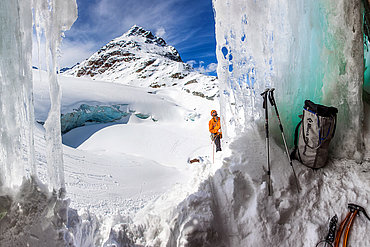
188	25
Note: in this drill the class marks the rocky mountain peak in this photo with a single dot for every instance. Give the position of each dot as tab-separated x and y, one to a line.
148	35
136	48
141	59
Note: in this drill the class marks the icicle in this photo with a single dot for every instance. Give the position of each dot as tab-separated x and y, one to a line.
54	17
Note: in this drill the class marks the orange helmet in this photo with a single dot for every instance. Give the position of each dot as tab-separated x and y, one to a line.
213	113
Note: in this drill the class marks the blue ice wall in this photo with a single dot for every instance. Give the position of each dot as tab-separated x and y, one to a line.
366	30
98	114
367	71
305	49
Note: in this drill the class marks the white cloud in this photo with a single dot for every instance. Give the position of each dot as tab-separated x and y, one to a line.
160	32
75	52
212	67
103	9
70	52
192	63
113	17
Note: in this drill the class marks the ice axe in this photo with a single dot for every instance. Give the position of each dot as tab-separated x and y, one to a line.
353	211
352	207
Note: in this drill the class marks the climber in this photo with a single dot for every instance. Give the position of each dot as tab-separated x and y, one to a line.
215	129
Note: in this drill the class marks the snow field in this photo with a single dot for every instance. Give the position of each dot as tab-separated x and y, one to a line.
287	218
231	207
117	168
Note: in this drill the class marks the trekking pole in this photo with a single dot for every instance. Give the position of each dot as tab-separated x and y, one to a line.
264	95
273	103
213	148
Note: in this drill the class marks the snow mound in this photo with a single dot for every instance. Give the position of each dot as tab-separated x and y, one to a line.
232	208
34	217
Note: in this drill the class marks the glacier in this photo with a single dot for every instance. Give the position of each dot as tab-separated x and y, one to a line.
99	114
303	49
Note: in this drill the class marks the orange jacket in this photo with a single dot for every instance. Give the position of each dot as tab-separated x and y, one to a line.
215	125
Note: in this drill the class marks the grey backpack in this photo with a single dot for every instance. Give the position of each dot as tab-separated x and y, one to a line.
317	129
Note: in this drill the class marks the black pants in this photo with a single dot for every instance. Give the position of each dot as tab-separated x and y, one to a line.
217	142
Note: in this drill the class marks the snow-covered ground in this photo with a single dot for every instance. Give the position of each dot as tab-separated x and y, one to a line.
117	167
134	175
232	207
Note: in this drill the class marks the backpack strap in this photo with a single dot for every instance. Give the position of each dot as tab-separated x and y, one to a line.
335	125
293	153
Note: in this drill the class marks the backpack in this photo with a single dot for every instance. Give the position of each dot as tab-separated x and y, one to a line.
317	129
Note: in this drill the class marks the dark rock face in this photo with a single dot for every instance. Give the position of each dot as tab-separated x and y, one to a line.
150	38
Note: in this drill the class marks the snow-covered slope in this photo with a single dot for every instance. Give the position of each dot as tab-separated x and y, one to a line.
141	59
134	157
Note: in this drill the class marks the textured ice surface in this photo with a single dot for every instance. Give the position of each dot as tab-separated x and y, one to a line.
366	26
305	49
31	214
52	18
15	92
98	114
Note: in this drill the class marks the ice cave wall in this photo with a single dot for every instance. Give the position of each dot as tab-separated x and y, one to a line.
52	18
305	49
31	214
15	92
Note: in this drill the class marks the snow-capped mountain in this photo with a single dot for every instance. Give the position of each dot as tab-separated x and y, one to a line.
139	58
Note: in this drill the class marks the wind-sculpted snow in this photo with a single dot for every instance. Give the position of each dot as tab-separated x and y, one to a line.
34	217
232	207
287	218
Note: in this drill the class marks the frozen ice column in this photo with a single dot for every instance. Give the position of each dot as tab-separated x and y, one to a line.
16	106
305	49
15	91
53	17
